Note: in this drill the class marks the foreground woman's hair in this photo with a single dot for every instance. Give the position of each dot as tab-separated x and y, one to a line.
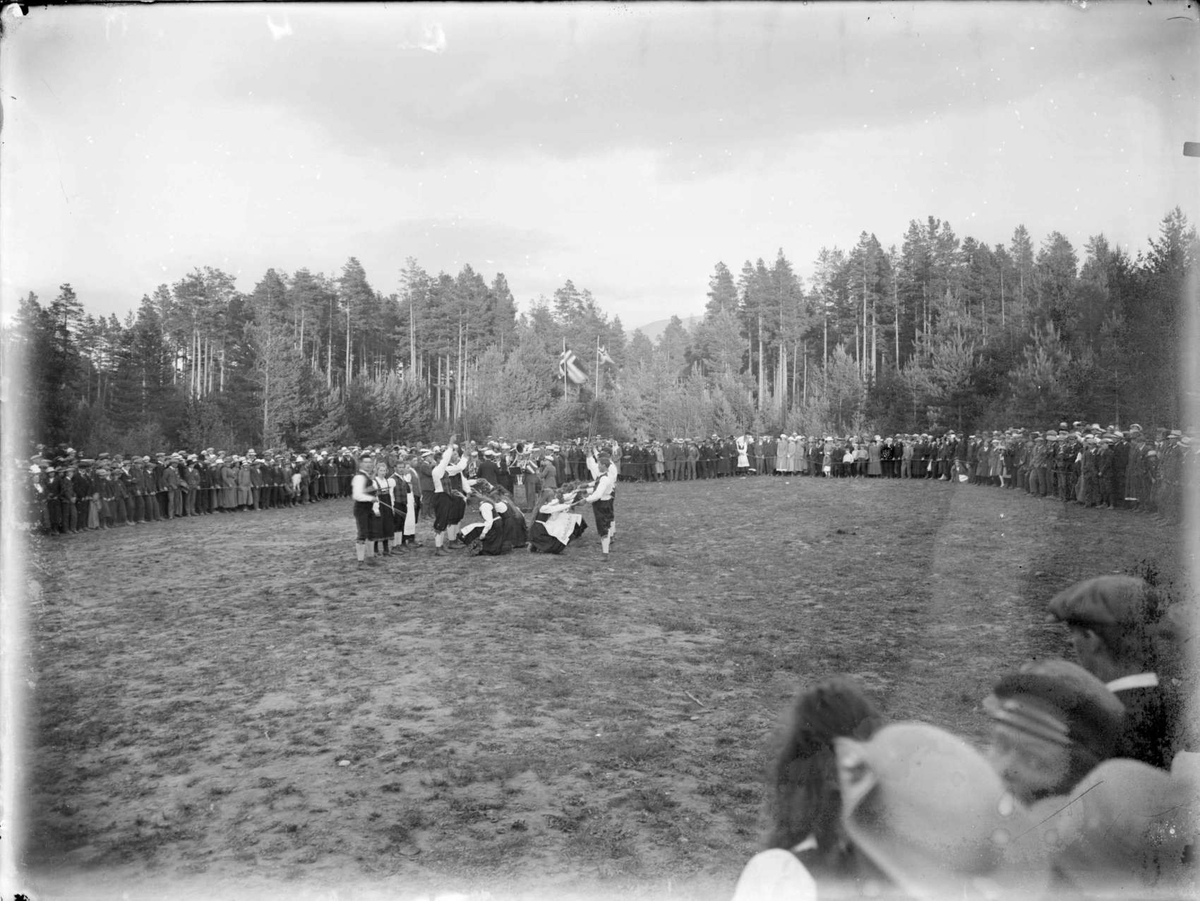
804	801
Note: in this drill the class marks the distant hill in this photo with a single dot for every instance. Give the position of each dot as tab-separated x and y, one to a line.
653	329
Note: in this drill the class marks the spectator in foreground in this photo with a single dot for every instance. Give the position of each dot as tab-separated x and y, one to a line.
805	842
1120	628
1127	830
928	810
1052	723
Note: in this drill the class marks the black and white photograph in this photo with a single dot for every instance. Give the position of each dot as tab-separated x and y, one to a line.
524	451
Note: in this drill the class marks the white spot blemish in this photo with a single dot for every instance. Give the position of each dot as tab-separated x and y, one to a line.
278	32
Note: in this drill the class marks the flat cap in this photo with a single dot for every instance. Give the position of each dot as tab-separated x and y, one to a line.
1105	600
1090	713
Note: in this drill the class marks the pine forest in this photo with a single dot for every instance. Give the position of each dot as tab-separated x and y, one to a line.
926	334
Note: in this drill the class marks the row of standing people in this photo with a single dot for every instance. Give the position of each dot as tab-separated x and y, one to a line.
748	455
1086	464
1080	463
67	494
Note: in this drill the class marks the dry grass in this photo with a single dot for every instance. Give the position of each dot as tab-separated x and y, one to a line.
230	700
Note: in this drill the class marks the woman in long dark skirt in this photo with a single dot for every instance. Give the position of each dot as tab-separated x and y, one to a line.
382	524
493	542
485	537
516	533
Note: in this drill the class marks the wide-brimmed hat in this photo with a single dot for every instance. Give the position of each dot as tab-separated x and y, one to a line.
929	811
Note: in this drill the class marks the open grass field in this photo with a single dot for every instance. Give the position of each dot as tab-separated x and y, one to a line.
228	706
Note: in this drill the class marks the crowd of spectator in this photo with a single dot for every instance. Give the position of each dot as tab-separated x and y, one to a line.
1086	464
1088	785
71	493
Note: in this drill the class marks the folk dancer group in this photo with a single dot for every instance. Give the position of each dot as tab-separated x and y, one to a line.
386	506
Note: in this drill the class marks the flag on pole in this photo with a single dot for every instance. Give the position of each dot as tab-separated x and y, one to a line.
569	368
605	358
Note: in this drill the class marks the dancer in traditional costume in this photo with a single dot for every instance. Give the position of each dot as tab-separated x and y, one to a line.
516	532
486	537
382	525
362	490
601	499
407	493
449	501
604	470
555	523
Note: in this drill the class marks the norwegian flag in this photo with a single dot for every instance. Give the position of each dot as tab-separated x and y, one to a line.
605	358
568	367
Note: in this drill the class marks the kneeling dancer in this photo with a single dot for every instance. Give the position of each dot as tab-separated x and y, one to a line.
486	537
555	525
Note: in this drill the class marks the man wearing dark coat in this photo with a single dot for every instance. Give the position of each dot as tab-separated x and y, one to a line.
158	488
424	470
705	460
670	452
505	460
81	482
487	467
191	478
1121	629
172	485
145	476
256	479
1120	465
573	460
887	454
62	495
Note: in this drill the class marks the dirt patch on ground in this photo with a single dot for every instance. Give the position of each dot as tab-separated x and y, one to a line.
229	704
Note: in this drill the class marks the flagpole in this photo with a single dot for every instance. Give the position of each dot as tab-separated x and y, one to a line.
564	367
596	390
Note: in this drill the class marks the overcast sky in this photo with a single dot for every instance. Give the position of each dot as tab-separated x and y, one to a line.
627	148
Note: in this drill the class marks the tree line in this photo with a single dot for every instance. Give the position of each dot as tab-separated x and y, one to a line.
936	333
